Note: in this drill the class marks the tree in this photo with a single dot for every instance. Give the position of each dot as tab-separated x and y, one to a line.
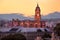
57	29
38	30
14	37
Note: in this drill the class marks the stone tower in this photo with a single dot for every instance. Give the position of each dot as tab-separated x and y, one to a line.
37	13
37	17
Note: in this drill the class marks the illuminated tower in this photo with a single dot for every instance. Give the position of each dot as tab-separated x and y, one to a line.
37	14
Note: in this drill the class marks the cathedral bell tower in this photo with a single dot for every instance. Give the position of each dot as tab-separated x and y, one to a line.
37	14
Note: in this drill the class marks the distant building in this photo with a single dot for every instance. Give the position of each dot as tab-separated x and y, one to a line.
52	23
36	23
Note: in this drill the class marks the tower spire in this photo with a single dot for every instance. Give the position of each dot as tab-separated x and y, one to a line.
37	13
37	5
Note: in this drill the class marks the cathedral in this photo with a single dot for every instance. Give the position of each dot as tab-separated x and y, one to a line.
36	23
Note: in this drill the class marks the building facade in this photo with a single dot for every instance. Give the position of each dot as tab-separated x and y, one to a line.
36	23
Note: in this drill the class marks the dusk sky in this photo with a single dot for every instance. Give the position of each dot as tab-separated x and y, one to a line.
27	7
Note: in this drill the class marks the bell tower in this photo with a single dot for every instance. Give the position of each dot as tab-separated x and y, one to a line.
37	13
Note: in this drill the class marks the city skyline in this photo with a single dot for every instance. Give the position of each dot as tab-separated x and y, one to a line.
27	7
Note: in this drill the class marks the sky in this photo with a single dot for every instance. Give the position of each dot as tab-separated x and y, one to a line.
27	7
